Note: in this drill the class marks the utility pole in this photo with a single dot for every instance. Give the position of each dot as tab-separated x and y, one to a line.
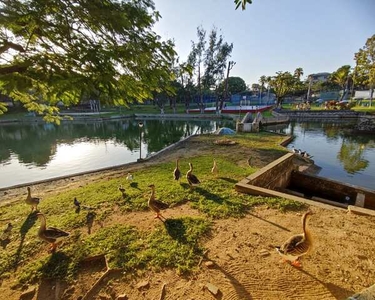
309	90
230	67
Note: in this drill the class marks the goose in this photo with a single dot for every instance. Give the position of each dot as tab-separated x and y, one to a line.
50	235
156	205
306	155
176	171
297	245
296	151
76	202
191	178
214	169
122	190
6	232
32	200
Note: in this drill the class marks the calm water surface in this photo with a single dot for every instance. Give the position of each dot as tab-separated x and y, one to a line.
32	152
342	155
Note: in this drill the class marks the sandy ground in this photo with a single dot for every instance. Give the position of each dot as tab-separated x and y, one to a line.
241	260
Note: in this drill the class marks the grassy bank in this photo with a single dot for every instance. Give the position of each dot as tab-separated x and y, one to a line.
177	243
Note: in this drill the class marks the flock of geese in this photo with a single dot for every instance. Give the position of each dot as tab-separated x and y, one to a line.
295	247
301	153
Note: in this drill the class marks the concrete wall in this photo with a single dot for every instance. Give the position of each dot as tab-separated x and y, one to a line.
332	190
312	115
274	175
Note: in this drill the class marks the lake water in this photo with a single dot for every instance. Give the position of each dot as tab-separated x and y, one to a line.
343	156
33	152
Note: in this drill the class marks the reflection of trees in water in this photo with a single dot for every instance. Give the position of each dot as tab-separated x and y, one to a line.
351	156
37	143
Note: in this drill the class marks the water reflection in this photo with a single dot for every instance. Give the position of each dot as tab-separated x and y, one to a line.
343	156
30	152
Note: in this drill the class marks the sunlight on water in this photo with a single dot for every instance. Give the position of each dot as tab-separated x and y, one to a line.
31	152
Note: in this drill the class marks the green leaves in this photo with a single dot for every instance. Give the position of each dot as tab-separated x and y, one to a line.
242	3
53	51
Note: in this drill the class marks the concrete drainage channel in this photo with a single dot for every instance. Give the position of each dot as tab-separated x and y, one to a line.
283	178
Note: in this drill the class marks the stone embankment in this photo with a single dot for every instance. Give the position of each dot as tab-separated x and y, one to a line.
366	124
320	115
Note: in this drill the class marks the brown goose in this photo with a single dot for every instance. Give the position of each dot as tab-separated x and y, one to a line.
297	245
32	200
122	190
50	235
177	172
156	205
215	169
191	178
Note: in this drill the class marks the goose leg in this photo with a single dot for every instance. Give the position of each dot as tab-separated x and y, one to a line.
297	263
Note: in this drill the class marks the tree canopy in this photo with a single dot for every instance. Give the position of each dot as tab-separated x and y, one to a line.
364	71
64	50
242	3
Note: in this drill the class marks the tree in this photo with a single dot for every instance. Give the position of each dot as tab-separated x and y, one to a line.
341	77
262	81
235	85
364	71
216	56
282	84
298	73
53	51
242	3
196	56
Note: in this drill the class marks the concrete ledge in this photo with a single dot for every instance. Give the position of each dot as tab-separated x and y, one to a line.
361	211
259	191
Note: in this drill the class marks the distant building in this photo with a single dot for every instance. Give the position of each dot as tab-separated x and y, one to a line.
319	77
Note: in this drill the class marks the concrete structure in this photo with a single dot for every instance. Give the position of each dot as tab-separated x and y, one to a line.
322	77
282	178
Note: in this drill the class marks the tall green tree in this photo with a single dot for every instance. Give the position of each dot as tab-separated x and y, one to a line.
364	71
62	50
262	81
216	56
341	77
283	84
298	73
197	57
235	85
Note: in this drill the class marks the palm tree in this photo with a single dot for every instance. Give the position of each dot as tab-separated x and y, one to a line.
341	77
298	73
262	81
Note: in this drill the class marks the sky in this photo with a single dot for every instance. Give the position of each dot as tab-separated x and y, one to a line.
274	35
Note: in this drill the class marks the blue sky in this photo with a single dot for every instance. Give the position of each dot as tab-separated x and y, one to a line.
274	35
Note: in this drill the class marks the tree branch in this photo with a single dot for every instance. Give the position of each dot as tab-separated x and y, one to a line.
9	45
15	68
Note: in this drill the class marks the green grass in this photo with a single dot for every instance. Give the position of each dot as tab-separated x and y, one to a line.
368	109
175	244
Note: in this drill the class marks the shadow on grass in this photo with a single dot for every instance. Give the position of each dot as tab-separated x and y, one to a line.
134	185
176	229
209	196
57	266
228	179
185	185
27	224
